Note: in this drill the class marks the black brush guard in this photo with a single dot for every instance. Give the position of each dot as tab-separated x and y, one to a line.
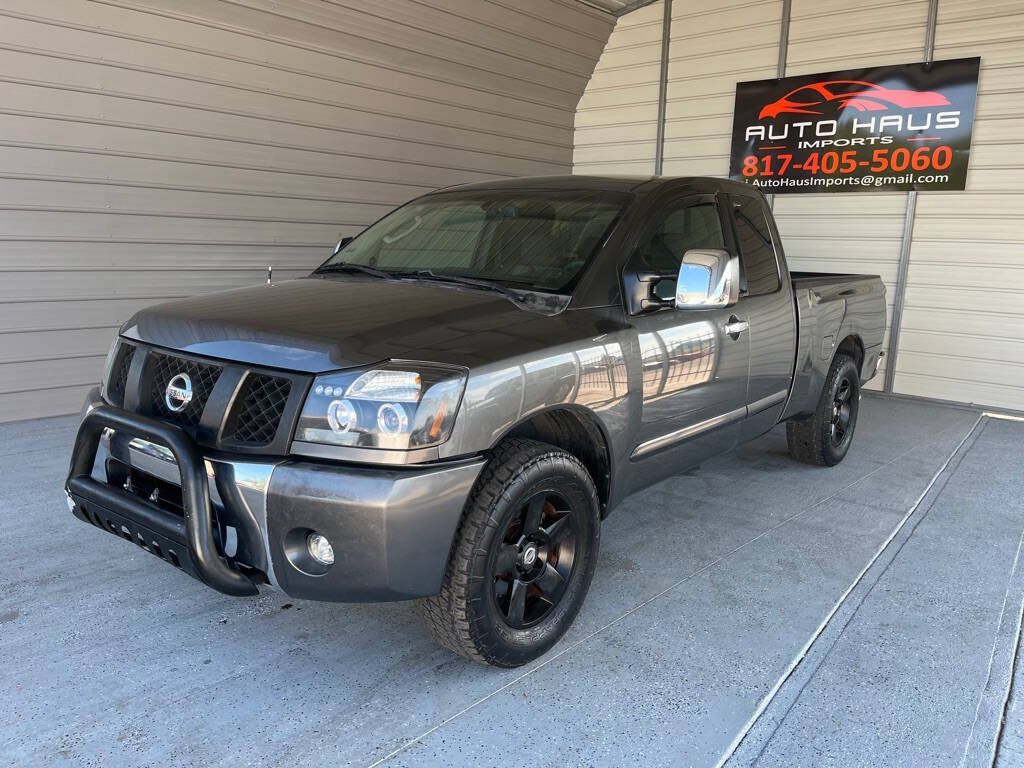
189	541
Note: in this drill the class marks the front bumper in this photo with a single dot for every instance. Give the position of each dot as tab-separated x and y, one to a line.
241	523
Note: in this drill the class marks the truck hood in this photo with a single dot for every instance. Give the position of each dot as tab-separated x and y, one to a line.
318	324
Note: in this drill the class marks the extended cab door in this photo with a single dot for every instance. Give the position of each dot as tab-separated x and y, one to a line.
766	298
694	371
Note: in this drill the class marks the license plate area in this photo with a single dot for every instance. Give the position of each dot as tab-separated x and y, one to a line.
158	491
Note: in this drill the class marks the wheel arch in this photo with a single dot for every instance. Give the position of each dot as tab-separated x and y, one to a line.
578	431
853	346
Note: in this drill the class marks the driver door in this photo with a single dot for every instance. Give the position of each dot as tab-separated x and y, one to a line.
694	371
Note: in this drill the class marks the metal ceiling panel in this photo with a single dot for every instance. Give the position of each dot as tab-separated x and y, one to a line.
616	7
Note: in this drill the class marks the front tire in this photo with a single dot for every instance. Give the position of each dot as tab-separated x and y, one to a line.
824	438
523	557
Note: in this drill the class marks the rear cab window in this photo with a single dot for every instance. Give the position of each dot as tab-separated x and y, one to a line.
758	260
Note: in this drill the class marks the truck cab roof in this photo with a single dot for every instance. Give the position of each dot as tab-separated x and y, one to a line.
610	183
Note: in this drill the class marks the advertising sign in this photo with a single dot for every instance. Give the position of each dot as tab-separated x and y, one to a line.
880	128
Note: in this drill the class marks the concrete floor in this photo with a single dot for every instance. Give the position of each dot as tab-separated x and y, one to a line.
758	608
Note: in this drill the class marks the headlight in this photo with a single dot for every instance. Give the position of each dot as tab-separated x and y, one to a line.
398	406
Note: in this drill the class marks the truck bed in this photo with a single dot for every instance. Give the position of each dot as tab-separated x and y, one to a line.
830	307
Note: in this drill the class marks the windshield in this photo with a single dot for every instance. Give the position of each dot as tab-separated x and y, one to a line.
525	239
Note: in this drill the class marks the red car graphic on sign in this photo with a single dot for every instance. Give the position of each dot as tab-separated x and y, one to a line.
857	94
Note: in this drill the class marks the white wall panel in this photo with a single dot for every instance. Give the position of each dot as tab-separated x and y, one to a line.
713	45
153	149
616	121
849	232
963	323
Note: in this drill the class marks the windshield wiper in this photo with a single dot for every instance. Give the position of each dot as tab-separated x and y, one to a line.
419	274
348	266
487	285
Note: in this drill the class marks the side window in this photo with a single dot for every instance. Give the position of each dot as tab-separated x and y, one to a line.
696	225
760	266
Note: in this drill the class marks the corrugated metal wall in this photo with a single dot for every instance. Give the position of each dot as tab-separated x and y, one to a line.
702	81
962	334
157	149
849	232
617	116
616	121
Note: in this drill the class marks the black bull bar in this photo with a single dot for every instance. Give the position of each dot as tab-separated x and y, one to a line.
125	514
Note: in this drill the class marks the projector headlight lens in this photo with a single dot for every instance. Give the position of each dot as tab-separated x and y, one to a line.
398	406
391	419
341	415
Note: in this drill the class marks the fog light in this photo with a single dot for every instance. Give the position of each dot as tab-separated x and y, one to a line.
320	548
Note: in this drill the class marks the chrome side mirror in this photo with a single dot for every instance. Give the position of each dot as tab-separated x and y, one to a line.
708	277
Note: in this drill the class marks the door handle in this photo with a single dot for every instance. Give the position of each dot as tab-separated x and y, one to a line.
735	327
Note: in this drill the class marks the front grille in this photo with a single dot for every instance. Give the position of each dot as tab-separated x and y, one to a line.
254	411
258	409
202	375
119	372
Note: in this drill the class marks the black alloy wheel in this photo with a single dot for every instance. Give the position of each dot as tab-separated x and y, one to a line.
824	437
844	410
535	560
523	557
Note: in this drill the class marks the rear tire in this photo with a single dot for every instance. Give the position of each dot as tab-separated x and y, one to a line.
523	557
824	437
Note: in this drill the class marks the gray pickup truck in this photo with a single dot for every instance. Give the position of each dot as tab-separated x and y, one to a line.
448	407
